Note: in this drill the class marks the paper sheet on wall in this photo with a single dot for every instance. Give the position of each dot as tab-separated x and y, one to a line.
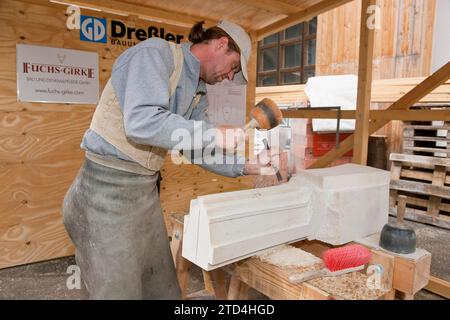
226	103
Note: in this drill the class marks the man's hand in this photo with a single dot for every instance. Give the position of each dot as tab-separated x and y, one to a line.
264	163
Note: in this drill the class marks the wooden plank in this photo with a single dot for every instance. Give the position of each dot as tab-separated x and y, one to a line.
182	265
396	169
420	188
442	221
366	43
251	89
433	161
427	42
386	90
424	203
405	102
432	150
267	279
439	286
238	290
300	16
144	12
437	180
444	126
414	174
411	276
215	283
405	115
273	6
431	139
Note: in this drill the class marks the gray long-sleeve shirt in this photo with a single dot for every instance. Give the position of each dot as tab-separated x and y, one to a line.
140	78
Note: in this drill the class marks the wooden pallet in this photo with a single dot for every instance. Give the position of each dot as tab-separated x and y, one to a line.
425	181
427	138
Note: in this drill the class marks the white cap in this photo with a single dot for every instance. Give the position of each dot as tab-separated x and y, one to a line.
242	39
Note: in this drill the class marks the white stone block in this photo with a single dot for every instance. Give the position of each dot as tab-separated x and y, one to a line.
335	205
352	199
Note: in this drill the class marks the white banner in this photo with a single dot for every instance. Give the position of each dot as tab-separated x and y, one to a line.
46	74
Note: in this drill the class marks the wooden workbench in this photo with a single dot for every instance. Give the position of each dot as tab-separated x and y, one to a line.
403	275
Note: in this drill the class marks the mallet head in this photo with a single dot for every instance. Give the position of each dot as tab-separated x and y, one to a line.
267	114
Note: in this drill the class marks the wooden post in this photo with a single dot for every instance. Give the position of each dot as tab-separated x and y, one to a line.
360	143
182	265
251	90
238	290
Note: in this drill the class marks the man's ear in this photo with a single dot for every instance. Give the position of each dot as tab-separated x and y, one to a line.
222	42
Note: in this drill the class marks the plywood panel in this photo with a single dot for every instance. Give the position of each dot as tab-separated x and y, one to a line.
30	219
241	12
39	143
34	136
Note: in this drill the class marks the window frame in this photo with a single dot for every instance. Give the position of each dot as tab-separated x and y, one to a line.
281	44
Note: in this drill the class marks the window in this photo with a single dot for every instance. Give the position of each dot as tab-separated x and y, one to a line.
289	56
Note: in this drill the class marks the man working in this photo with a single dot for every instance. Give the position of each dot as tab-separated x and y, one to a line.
112	211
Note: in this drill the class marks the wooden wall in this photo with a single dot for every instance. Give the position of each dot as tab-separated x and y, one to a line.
402	45
39	143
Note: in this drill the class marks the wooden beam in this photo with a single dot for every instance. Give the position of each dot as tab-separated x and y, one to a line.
273	6
366	43
385	91
405	102
301	16
420	188
251	90
143	12
439	286
404	115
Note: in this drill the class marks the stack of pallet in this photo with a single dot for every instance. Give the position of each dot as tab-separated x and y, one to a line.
427	138
426	183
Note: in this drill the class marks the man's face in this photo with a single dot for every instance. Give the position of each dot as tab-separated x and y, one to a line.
223	64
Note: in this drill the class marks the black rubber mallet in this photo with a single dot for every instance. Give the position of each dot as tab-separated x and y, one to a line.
397	237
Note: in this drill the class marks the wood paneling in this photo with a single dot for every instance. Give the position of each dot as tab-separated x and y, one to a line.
402	46
40	143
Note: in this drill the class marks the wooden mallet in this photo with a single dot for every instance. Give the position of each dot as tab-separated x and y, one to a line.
265	115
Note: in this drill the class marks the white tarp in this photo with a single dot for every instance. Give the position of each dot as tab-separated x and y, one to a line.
330	91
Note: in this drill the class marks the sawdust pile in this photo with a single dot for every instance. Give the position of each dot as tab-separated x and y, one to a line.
287	256
351	286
